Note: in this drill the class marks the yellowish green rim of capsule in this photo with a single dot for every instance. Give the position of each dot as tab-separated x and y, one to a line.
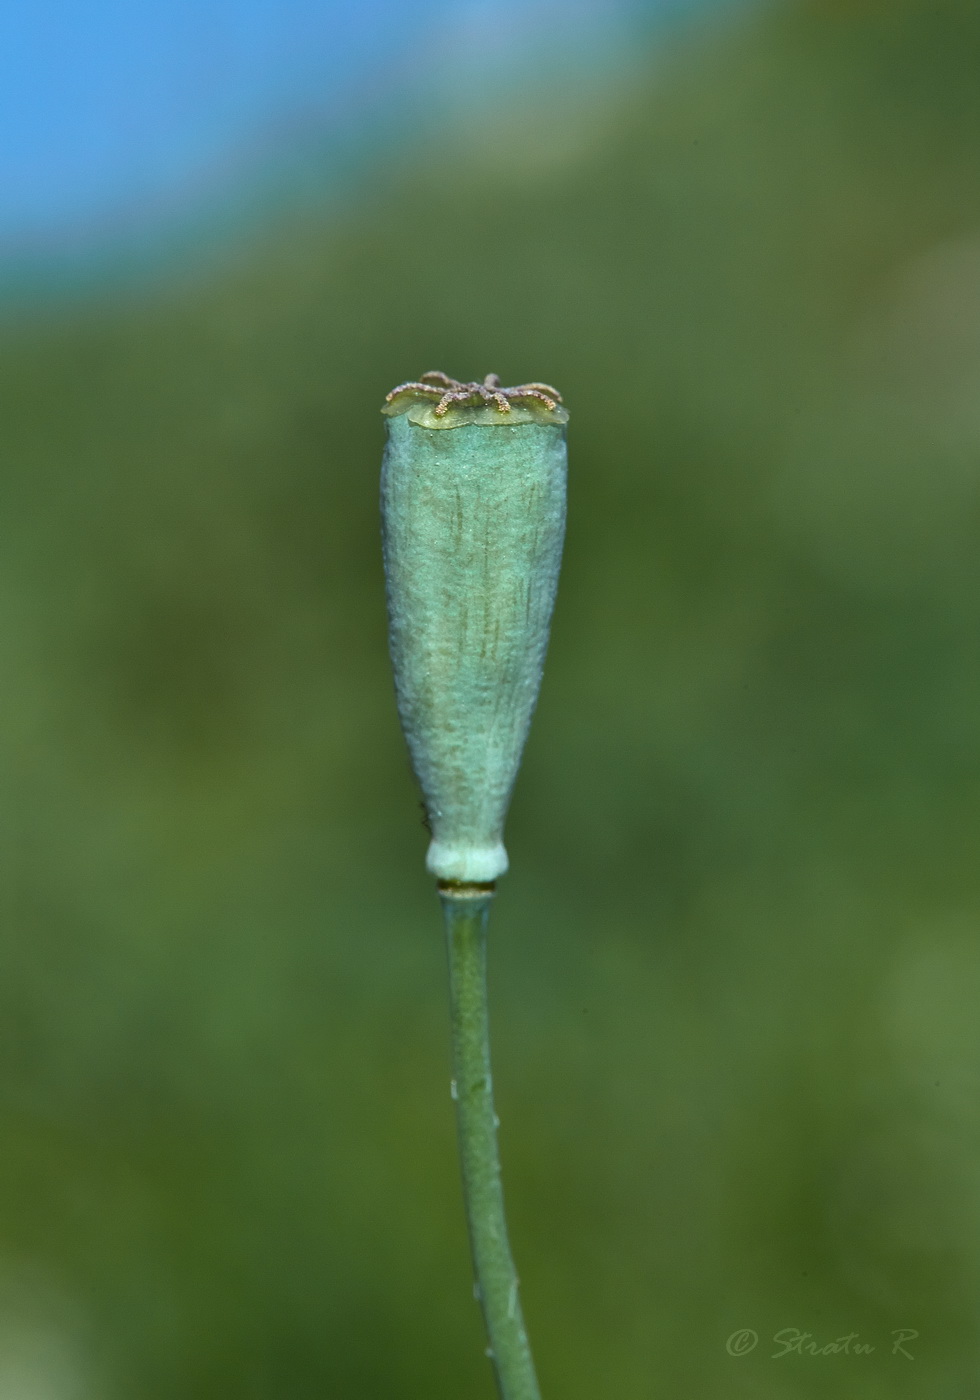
422	413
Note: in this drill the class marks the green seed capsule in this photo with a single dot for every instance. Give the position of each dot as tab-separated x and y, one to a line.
473	512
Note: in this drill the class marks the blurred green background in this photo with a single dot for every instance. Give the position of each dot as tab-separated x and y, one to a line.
735	968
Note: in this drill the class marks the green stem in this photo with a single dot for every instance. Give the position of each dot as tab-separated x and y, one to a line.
496	1277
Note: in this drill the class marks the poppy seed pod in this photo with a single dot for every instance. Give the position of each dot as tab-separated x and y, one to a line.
473	517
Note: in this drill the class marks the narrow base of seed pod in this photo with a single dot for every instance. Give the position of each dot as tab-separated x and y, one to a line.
466	865
455	889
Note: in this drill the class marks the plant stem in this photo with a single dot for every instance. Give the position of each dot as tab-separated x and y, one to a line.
496	1278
